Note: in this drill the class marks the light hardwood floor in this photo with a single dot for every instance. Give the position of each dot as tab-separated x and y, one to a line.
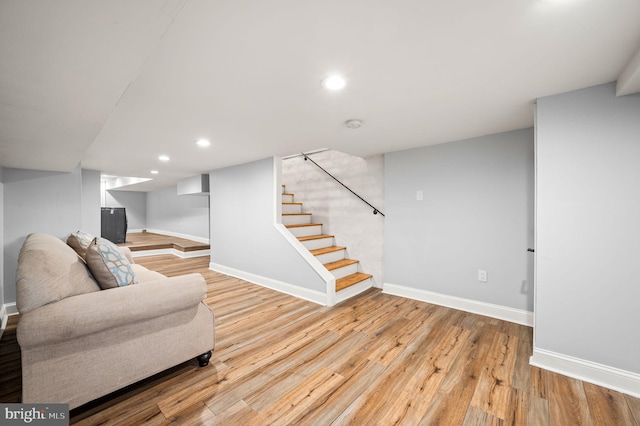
373	360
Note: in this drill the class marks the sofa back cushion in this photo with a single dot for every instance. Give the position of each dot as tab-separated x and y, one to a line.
48	271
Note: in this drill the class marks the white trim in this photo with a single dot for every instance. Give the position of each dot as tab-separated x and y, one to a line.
587	371
172	234
353	290
11	308
3	319
505	313
330	281
6	311
182	254
293	290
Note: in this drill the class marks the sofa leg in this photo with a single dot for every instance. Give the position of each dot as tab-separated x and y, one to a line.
203	359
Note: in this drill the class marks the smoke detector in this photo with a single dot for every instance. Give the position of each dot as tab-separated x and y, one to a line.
353	124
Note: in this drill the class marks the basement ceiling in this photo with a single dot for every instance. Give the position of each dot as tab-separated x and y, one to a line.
114	84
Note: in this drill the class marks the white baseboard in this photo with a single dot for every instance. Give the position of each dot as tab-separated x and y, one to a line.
3	319
293	290
587	371
6	310
505	313
182	254
11	308
171	234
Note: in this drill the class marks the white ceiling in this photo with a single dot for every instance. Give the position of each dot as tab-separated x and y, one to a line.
115	83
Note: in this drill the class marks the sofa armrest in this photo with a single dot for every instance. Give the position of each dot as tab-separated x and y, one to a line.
89	313
127	253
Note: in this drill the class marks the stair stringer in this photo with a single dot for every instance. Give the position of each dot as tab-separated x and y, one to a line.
327	276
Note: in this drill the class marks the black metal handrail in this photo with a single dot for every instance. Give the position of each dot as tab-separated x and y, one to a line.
375	210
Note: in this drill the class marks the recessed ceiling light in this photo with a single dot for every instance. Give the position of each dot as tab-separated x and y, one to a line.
334	82
203	143
353	124
163	158
154	172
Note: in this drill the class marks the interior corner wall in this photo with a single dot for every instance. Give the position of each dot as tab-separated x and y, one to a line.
588	227
476	213
341	213
90	202
1	241
134	202
181	214
243	235
37	201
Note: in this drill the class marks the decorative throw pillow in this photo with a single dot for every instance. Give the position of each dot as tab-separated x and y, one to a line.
79	241
108	264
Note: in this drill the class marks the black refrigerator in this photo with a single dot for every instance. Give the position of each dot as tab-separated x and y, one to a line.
114	224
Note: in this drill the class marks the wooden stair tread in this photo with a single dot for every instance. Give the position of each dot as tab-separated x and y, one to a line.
302	224
350	280
292	202
324	250
314	237
340	263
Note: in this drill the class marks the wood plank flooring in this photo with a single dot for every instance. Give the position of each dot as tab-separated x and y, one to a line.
372	360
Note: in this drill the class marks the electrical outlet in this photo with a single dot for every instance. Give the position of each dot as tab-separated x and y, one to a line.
482	275
419	196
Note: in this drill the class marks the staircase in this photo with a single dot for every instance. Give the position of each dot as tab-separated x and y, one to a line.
322	246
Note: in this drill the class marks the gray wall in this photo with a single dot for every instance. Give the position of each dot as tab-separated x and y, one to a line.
1	240
135	204
183	214
477	213
588	226
90	202
341	213
243	236
37	201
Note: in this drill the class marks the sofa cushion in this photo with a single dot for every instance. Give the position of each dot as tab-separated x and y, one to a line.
109	265
79	241
49	271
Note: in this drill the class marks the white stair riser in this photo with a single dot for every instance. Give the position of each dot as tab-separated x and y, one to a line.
291	208
306	231
331	257
348	292
319	243
345	270
287	198
298	219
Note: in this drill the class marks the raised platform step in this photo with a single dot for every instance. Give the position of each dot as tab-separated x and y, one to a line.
142	241
350	280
